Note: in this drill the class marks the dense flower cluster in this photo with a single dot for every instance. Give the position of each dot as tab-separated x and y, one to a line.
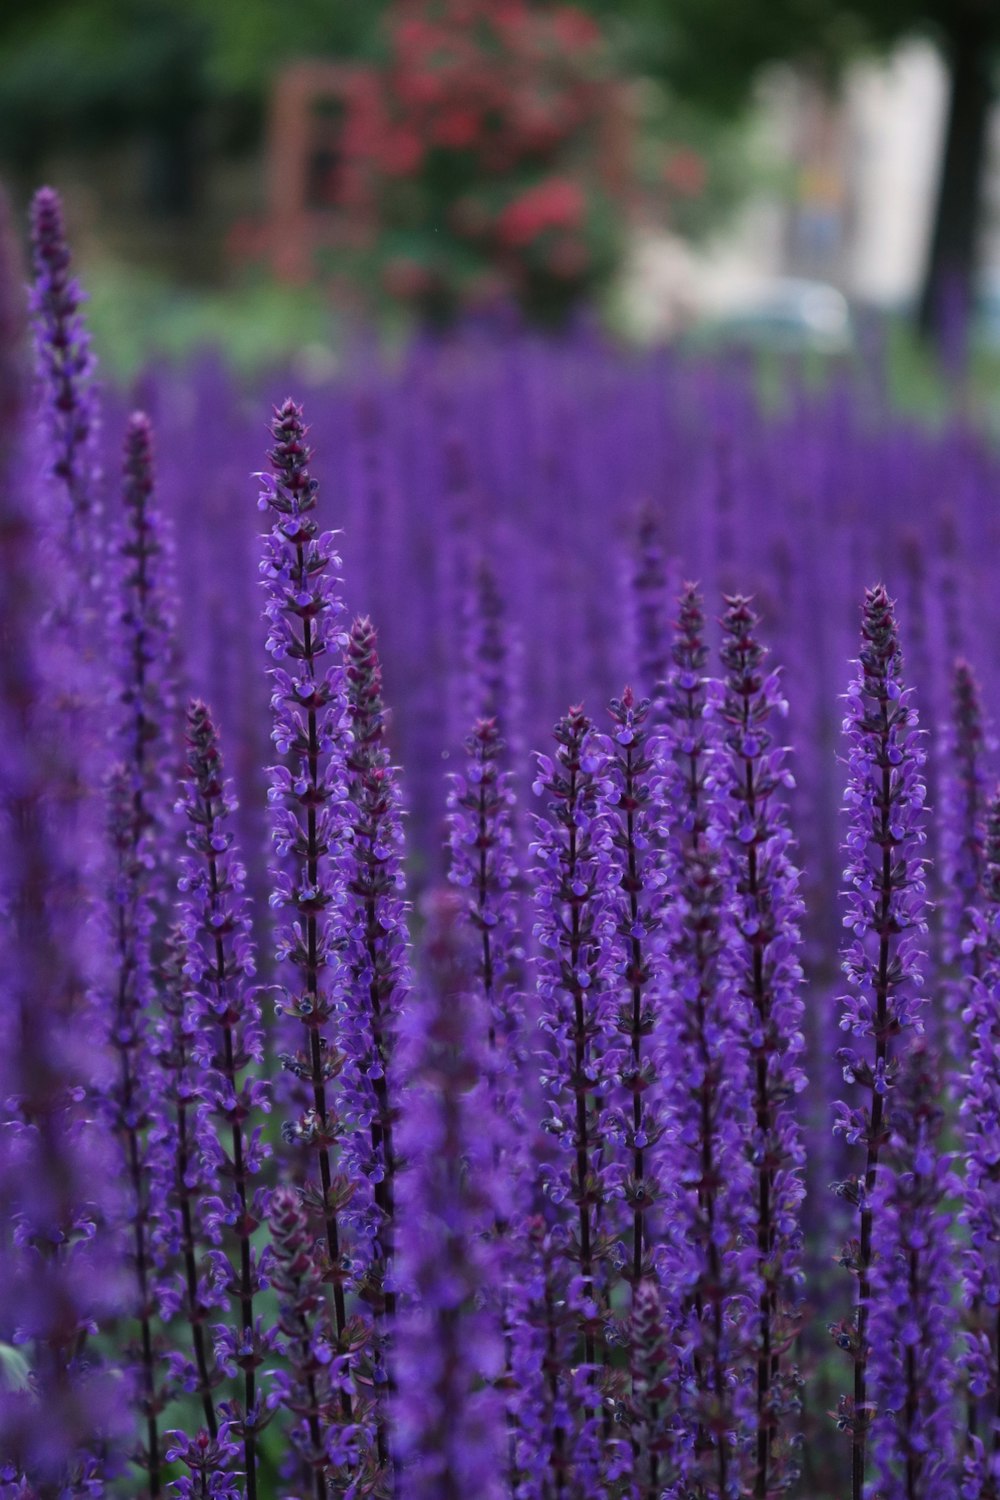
515	1188
767	909
914	1321
885	915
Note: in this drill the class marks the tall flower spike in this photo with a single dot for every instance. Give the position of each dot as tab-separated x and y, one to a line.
631	777
709	1273
493	658
219	966
182	1179
144	633
66	368
964	794
913	1318
654	1391
885	914
309	1385
581	1060
377	961
649	607
480	802
448	1427
767	908
303	611
690	737
138	808
132	1101
980	1212
58	1179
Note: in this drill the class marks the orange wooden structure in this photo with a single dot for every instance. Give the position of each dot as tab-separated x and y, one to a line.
305	211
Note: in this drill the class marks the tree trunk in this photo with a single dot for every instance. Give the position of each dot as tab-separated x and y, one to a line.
949	278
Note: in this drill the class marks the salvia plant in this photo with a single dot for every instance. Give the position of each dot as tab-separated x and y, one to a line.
387	1112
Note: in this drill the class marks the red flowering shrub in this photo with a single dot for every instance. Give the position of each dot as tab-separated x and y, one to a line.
488	159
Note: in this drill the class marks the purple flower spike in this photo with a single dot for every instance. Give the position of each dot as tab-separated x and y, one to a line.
964	795
66	367
144	636
377	962
315	1378
649	607
219	965
980	1121
690	736
913	1318
483	868
712	1288
449	1427
306	795
480	805
181	1179
209	1462
493	667
631	777
132	1101
573	929
138	816
767	909
654	1391
885	915
63	1424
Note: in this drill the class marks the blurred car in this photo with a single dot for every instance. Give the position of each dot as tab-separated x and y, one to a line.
789	315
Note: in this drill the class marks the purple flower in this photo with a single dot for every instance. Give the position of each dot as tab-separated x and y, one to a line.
228	1046
63	1423
964	795
649	611
209	1463
573	929
711	1284
481	802
327	1450
378	976
691	736
306	794
66	366
483	868
766	910
654	1391
913	1320
181	1180
631	781
885	915
448	1419
143	635
980	1122
137	804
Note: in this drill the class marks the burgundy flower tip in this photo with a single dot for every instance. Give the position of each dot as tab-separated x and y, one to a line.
289	458
137	462
48	232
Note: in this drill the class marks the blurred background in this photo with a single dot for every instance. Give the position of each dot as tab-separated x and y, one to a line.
777	174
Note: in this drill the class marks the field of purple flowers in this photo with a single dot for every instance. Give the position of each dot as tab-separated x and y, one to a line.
579	1078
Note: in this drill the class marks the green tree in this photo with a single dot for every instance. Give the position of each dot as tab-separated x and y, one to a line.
711	51
92	71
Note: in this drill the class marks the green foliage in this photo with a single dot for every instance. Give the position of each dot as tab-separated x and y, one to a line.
89	70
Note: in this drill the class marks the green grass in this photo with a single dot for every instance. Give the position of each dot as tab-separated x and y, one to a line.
135	315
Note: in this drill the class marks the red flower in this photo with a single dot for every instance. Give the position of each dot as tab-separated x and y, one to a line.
554	203
456	128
